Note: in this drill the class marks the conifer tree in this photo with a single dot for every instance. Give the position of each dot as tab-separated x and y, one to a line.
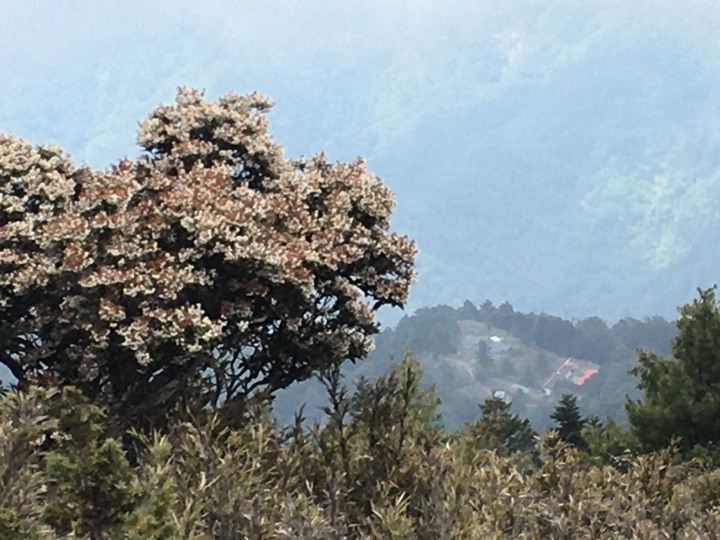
569	421
499	429
682	393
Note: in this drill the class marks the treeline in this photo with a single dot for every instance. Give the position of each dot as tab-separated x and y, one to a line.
435	330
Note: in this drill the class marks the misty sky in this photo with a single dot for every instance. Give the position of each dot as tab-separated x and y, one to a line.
471	111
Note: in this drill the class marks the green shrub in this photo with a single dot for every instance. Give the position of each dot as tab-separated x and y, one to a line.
377	466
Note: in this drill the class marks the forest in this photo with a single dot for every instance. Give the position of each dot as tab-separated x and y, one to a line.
474	350
151	312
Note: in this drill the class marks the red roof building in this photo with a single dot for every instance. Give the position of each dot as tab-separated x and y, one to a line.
584	376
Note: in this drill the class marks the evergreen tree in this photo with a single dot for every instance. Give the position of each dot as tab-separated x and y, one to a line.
682	393
499	429
569	421
468	311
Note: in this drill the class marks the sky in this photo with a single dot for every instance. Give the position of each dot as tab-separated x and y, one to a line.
519	137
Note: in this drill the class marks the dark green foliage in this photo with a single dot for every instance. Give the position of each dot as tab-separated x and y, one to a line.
595	340
553	334
500	430
468	311
653	333
569	422
433	330
92	482
681	395
590	338
604	394
371	435
24	428
609	443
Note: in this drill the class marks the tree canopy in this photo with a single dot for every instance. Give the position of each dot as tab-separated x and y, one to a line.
569	422
210	265
681	394
501	430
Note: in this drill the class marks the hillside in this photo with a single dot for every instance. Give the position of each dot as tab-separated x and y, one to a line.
529	359
488	361
563	155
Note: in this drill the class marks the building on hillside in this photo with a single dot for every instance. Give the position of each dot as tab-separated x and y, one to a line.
584	376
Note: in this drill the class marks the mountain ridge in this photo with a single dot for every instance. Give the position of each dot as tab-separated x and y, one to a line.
473	351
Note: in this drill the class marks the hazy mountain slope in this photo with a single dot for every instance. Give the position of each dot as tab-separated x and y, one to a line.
470	352
564	155
575	170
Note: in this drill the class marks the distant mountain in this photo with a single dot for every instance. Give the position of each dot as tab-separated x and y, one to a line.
562	155
569	160
471	352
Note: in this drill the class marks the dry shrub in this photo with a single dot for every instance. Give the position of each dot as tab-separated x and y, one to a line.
377	467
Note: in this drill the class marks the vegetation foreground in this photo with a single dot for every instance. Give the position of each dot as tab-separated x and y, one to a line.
377	467
150	312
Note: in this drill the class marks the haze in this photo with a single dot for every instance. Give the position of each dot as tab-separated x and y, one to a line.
564	155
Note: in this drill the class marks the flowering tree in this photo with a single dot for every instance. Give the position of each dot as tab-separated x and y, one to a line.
211	261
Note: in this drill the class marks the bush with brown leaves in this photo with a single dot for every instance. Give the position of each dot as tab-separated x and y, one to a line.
208	268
